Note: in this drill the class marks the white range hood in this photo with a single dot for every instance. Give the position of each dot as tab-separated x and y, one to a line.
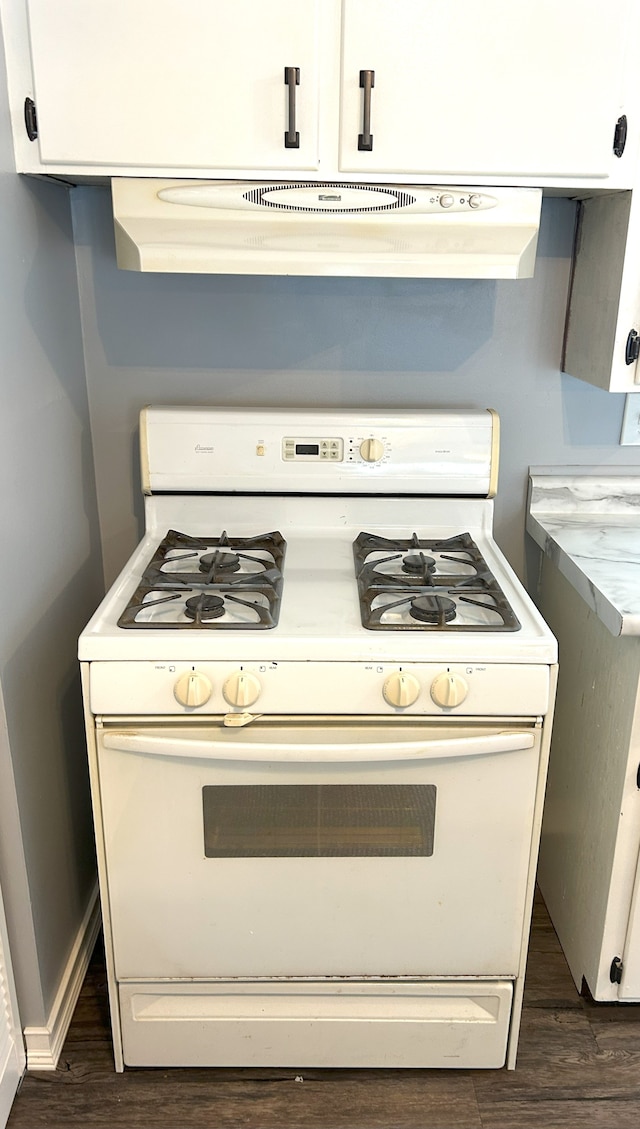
393	231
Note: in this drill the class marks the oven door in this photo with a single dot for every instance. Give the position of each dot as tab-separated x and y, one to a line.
317	849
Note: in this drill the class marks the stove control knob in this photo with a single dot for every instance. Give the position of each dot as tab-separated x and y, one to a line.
401	689
372	450
193	689
241	689
448	690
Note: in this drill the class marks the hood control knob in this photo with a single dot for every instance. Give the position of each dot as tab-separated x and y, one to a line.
193	689
372	450
241	689
401	689
448	690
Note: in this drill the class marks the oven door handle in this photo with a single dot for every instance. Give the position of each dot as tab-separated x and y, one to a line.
504	741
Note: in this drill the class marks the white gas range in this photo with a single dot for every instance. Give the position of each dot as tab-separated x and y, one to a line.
318	707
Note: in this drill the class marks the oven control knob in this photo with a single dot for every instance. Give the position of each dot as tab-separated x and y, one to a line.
241	689
401	689
448	690
193	689
372	450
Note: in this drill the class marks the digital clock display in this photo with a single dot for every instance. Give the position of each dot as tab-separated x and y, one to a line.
307	449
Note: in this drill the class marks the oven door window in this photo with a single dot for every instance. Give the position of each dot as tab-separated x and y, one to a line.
318	820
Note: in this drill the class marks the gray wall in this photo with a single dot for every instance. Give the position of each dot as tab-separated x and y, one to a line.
50	575
370	342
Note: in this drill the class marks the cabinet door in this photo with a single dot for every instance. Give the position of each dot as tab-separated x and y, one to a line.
196	84
603	317
498	88
12	1058
630	983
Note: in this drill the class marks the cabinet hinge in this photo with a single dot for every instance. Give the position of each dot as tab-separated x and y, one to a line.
30	119
620	136
615	972
632	348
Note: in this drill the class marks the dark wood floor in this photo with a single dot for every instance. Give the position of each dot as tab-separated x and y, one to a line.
578	1066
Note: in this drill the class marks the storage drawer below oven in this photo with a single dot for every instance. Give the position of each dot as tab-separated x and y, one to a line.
316	1023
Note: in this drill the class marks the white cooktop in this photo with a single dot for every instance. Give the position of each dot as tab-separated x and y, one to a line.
319	616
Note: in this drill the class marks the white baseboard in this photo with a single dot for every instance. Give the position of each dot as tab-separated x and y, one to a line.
44	1044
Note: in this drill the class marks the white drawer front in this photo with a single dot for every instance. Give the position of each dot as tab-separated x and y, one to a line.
319	1024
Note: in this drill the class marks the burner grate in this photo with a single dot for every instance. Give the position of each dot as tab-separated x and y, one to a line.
227	574
428	600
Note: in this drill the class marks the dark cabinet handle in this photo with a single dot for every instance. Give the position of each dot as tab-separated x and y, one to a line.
292	79
367	83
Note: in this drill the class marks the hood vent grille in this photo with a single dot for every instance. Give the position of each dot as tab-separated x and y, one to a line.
327	193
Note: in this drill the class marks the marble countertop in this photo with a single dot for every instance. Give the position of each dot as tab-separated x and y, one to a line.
589	525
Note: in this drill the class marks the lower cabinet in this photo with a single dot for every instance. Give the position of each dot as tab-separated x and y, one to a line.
12	1056
588	870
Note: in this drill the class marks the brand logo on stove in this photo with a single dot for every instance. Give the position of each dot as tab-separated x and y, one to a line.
200	450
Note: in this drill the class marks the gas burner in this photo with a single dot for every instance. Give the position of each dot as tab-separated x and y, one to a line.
152	609
418	563
401	588
218	583
204	607
219	560
432	609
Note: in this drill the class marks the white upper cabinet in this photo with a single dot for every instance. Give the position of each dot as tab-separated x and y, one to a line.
177	83
501	88
388	89
602	335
